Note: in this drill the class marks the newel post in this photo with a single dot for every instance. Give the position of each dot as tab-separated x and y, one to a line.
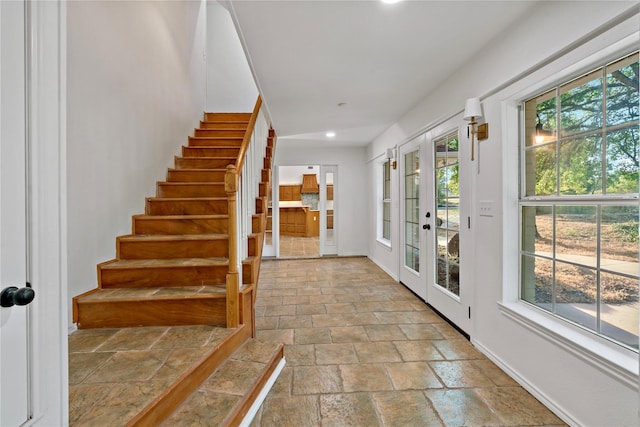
233	285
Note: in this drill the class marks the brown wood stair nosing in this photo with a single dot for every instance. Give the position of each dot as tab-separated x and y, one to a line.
164	405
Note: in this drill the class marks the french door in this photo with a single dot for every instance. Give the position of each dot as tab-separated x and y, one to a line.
434	223
413	238
449	282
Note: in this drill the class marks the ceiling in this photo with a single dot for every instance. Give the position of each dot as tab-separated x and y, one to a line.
356	67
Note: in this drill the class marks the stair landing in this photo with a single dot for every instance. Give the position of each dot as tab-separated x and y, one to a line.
121	377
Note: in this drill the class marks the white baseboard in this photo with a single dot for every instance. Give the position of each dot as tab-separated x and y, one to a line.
535	392
248	419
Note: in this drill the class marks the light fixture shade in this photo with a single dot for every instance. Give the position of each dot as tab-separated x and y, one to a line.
472	108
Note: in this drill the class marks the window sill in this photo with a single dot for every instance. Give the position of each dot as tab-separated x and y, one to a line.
615	360
384	243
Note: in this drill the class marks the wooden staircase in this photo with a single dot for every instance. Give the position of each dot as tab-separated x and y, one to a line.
172	269
178	266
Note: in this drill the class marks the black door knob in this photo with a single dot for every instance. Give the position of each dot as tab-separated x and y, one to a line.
428	215
11	296
426	227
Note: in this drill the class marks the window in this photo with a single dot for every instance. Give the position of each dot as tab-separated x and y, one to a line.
579	201
386	200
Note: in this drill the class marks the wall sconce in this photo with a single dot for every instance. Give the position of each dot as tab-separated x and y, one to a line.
391	156
473	111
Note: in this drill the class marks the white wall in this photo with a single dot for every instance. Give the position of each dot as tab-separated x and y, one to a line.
292	175
541	49
349	192
230	84
136	85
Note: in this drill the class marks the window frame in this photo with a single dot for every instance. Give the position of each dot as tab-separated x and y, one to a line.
385	200
528	313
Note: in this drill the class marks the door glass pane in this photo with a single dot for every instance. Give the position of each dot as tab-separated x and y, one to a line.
412	210
448	213
330	238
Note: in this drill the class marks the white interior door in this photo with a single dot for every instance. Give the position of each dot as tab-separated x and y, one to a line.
413	268
328	210
449	285
14	357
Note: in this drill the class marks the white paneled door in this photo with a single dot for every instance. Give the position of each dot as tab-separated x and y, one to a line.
413	232
14	356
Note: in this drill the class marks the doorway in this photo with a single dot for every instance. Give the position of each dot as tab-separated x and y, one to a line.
434	224
298	207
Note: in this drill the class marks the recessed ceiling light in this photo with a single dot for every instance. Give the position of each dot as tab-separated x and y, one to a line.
391	1
330	134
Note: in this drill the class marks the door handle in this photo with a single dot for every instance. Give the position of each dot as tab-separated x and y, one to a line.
11	296
426	227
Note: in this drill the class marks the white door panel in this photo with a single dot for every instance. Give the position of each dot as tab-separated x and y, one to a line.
14	357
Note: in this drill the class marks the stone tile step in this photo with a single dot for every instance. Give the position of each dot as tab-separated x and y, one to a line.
126	376
235	391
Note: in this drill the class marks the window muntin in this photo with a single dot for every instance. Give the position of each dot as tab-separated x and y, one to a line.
579	201
386	200
412	210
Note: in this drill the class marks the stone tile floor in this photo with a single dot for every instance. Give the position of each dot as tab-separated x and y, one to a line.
362	350
299	247
115	373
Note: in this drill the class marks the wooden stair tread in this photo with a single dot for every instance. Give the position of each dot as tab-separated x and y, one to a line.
170	262
180	199
157	293
172	237
161	217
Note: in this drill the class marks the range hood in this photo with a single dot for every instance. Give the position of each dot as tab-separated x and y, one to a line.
309	183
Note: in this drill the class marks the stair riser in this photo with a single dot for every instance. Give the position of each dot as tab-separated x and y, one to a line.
123	314
191	190
149	226
224	133
210	151
229	117
184	175
219	124
196	163
209	138
161	276
186	207
201	248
